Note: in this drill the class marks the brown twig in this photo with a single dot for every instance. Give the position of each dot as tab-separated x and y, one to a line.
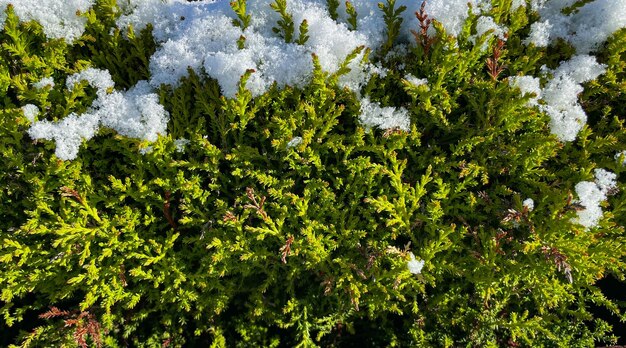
422	37
559	259
229	216
393	131
68	192
166	210
84	323
493	63
258	206
286	249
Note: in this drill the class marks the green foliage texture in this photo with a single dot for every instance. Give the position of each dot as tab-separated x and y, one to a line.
243	241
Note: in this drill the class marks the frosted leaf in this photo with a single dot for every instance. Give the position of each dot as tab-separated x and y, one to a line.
30	111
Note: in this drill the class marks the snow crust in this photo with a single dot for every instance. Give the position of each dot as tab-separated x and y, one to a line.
60	19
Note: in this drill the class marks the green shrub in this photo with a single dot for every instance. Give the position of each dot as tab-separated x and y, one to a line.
284	221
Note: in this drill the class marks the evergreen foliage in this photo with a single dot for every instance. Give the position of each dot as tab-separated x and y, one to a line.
284	221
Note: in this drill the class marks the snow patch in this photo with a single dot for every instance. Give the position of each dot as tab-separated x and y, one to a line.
592	194
135	113
59	19
373	115
30	111
44	82
585	29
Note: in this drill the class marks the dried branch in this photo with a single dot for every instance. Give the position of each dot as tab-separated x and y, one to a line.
167	212
258	206
559	259
286	249
84	324
68	192
493	63
229	216
422	37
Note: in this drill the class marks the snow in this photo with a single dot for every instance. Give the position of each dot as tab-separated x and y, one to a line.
415	81
528	85
68	133
585	29
180	144
605	180
539	34
515	4
99	79
621	155
44	82
414	265
560	95
201	36
30	111
592	194
529	204
59	19
294	142
135	113
373	115
483	25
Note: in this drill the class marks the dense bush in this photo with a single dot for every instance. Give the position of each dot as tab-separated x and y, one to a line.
281	217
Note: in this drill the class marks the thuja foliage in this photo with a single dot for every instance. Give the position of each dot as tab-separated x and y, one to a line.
247	238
